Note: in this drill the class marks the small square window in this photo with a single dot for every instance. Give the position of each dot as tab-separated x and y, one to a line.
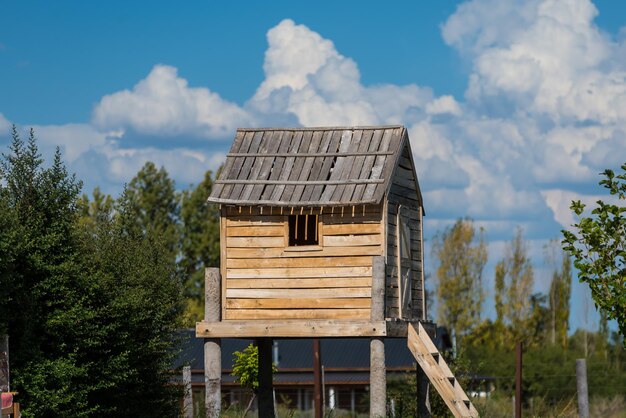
303	230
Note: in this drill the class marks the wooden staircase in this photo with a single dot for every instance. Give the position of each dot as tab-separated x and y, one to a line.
438	372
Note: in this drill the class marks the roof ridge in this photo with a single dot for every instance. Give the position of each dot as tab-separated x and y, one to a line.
322	128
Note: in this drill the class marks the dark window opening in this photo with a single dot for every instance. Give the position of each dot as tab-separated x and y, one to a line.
303	230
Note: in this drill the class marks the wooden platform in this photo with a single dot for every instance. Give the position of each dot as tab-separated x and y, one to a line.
307	328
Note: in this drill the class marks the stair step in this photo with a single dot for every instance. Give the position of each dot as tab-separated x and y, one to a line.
438	372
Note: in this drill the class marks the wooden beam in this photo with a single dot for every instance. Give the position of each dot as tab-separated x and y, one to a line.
266	398
308	154
302	182
212	345
291	328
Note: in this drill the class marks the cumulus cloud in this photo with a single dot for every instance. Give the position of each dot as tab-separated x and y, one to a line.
163	104
543	112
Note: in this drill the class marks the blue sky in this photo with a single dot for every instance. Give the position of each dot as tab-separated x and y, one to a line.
513	107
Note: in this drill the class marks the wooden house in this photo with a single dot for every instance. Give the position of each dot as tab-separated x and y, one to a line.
321	236
303	212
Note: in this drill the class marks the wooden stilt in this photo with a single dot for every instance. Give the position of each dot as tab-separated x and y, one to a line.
422	387
212	346
188	399
378	372
266	398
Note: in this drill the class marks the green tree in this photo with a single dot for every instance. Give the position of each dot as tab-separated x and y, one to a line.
137	298
559	296
246	371
154	206
514	284
200	244
598	245
462	254
90	311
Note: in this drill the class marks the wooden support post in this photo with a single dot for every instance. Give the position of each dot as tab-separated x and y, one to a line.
581	388
423	403
378	372
266	398
318	405
212	347
518	380
188	399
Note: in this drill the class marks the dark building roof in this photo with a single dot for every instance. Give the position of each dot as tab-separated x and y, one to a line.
346	359
310	166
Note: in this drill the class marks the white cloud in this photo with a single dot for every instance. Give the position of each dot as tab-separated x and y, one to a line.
163	104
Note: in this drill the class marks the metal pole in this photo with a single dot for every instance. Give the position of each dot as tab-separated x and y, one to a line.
317	379
518	380
581	388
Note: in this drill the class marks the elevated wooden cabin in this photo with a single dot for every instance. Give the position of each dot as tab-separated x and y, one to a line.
305	214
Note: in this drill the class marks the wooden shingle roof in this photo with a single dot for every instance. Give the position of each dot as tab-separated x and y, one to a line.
310	166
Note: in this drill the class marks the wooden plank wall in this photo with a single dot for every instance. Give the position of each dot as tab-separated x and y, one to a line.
403	192
266	280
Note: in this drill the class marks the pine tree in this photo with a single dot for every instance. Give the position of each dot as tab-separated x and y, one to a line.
154	206
200	244
462	254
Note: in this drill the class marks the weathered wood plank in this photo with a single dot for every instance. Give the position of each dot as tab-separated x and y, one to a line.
259	212
246	166
299	262
327	164
379	163
368	163
257	164
351	229
333	293
347	165
317	166
294	146
227	191
291	283
305	171
337	169
291	328
357	165
303	303
217	189
323	252
255	241
270	273
255	231
390	166
271	145
296	170
276	170
352	240
298	313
